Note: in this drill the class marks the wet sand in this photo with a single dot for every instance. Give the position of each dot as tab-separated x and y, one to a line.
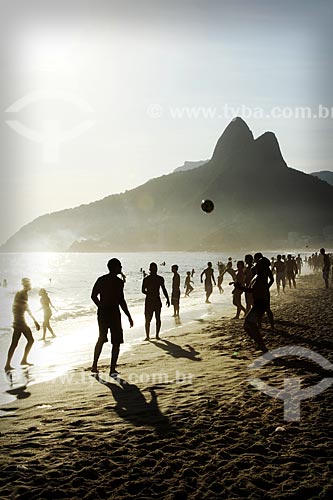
183	421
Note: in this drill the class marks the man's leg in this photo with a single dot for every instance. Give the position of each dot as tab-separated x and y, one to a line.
148	317
15	338
114	358
44	330
97	353
30	340
158	322
102	338
251	327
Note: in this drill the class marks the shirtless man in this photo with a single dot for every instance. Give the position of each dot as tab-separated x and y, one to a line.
280	268
108	295
326	268
209	280
151	288
291	270
175	293
259	287
20	307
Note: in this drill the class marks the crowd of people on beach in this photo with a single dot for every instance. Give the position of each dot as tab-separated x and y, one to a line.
252	276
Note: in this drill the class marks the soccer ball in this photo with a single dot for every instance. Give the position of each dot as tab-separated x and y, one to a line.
207	206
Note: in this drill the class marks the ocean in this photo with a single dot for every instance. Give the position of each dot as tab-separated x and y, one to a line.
68	279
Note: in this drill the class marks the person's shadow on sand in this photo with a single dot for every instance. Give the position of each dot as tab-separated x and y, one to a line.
176	350
297	337
132	405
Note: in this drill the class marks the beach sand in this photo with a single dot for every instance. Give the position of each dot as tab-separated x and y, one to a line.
188	424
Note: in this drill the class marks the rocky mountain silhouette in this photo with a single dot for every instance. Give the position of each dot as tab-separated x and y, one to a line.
324	175
259	203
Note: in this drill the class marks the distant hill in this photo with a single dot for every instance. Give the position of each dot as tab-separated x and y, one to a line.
324	175
259	203
190	165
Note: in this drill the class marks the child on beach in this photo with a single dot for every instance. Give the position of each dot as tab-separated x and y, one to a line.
20	307
188	287
46	306
175	293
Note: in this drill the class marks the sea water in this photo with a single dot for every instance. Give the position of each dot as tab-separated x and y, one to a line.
68	279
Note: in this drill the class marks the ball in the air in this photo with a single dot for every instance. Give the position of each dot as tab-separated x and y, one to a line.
207	206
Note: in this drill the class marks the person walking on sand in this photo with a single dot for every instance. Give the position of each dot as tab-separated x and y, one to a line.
188	287
209	280
291	270
259	287
108	295
20	307
270	278
299	263
237	292
248	275
326	268
46	304
175	293
280	268
151	288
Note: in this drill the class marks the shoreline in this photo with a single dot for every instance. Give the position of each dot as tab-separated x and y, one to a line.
206	434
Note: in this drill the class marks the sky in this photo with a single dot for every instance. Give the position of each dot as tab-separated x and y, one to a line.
99	96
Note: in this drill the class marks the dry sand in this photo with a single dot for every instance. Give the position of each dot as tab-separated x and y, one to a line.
207	435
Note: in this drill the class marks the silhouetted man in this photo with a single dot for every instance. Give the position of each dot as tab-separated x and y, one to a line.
209	277
326	268
20	307
151	288
259	287
291	270
108	295
280	267
175	293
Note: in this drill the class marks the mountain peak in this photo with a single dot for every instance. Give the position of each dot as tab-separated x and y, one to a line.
236	136
269	149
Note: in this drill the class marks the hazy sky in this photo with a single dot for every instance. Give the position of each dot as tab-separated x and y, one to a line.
90	91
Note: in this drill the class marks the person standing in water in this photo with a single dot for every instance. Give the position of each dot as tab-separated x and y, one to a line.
151	288
209	280
108	295
20	307
46	304
175	294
